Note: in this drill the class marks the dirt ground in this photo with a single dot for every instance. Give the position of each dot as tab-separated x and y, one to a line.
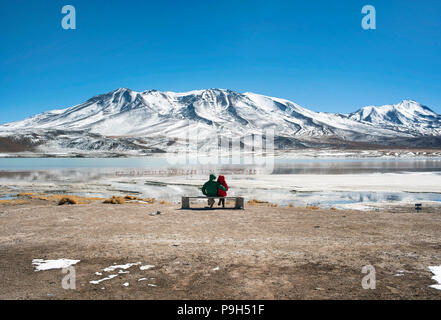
258	253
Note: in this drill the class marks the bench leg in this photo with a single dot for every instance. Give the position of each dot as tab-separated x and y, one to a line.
185	203
239	203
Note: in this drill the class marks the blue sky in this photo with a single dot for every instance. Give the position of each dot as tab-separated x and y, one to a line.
312	52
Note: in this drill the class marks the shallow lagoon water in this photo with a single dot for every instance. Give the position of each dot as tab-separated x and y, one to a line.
281	165
337	199
109	176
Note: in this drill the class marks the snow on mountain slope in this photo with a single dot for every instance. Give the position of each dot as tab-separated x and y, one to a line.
126	120
407	116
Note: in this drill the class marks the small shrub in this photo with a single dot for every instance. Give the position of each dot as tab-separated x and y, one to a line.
67	200
132	198
115	200
150	200
256	202
58	198
94	199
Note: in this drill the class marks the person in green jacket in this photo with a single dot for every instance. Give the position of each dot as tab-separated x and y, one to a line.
210	188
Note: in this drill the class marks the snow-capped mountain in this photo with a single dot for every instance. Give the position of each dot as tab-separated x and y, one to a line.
407	116
152	121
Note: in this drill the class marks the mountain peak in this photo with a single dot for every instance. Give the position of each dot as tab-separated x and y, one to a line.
408	115
409	101
122	90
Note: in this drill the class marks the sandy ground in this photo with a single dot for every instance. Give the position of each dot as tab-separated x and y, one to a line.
258	253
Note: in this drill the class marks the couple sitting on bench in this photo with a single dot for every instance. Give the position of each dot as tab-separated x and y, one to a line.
213	188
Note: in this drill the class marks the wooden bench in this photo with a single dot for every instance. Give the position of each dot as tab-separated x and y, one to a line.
238	204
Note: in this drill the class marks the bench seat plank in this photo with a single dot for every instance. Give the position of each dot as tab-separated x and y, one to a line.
239	201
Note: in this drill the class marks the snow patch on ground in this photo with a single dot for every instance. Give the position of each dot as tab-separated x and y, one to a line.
121	266
41	264
436	270
146	267
401	273
104	279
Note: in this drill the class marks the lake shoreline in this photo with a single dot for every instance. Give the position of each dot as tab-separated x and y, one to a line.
351	191
307	153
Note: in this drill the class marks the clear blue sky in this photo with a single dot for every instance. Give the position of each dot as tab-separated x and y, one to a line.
312	52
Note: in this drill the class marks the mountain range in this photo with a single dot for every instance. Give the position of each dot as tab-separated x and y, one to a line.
129	122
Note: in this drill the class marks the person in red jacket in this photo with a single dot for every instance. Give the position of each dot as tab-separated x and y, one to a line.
220	192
